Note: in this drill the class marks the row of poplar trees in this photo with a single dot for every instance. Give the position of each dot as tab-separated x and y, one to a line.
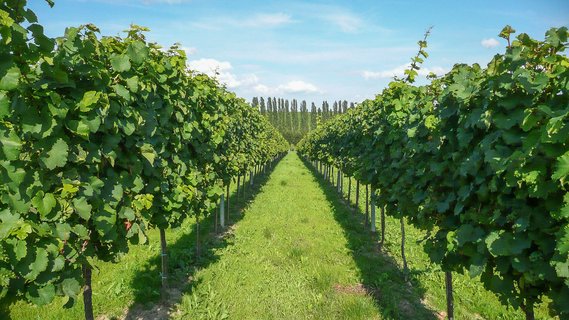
294	119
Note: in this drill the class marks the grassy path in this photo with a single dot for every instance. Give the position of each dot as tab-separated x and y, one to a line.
293	257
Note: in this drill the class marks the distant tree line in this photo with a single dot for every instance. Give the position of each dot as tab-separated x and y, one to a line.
294	119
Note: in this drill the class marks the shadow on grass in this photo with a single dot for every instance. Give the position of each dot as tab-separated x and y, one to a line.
381	275
182	260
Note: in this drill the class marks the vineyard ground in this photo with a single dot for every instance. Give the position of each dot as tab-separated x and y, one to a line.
296	251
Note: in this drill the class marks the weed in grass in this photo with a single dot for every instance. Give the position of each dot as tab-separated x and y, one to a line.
267	233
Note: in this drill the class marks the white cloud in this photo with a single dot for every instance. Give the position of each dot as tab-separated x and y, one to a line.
222	71
400	72
189	50
210	66
298	86
267	20
262	89
294	87
489	43
259	20
346	22
216	69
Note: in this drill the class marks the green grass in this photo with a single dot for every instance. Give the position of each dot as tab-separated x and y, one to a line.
292	258
296	251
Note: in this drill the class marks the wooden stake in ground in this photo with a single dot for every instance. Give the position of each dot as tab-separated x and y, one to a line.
338	180
164	259
367	205
222	211
450	298
216	217
357	194
238	185
382	214
349	189
228	214
197	235
87	293
405	269
372	204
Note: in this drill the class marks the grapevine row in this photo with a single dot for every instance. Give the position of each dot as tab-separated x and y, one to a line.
102	138
478	158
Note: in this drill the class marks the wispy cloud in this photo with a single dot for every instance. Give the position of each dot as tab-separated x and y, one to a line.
298	86
347	22
489	43
223	72
400	71
259	20
291	87
267	20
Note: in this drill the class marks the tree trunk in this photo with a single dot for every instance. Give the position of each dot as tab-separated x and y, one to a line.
349	189
222	211
215	213
164	258
197	235
357	194
342	184
382	214
372	204
238	185
87	293
450	298
228	214
405	268
367	206
244	184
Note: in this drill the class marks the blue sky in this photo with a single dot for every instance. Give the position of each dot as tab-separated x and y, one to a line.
313	50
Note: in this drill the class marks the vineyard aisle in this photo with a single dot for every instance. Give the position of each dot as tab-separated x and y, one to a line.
296	254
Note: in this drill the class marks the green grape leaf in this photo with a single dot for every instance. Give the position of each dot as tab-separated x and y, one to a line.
82	207
39	265
4	105
41	296
137	51
63	230
57	156
148	153
120	63
71	287
506	244
9	78
44	203
89	101
20	249
562	167
11	144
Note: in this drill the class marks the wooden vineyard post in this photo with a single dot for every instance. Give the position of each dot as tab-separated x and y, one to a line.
222	211
87	293
164	260
382	214
367	206
372	204
450	298
349	189
405	268
228	214
357	194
